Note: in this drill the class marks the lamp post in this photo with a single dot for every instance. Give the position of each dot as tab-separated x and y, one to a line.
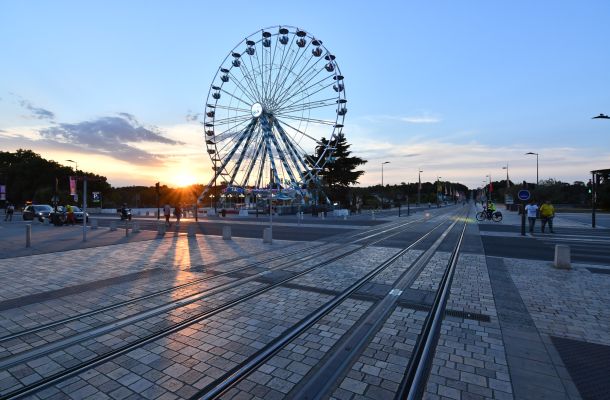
84	201
382	164
506	168
419	186
438	189
211	201
536	154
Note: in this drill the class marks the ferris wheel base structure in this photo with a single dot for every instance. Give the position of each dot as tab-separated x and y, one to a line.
274	99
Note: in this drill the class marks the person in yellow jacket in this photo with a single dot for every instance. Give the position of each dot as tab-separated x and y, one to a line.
547	213
70	215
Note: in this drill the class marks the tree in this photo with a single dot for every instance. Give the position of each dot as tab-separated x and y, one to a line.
340	170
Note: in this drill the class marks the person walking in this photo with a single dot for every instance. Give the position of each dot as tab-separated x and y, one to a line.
70	217
178	214
532	212
167	212
547	213
10	209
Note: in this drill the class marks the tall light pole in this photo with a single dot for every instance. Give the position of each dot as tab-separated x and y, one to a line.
506	168
76	168
536	154
382	164
419	186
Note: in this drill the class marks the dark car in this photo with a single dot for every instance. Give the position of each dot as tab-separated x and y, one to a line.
38	211
78	213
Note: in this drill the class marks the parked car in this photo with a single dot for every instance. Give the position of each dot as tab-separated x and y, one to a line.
38	211
78	213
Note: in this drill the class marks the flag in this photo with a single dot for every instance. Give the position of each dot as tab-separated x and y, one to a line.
72	185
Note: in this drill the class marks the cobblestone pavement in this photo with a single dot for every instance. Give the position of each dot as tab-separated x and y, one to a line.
497	341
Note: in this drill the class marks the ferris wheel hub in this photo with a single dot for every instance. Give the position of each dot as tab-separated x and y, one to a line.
256	109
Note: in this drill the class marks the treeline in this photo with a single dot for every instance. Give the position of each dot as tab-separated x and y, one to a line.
576	194
30	178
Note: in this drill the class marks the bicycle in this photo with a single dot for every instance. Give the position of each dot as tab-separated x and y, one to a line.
496	216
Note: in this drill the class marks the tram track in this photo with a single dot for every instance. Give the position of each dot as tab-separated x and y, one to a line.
188	321
319	383
355	237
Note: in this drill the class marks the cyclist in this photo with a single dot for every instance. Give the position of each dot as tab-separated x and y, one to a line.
491	208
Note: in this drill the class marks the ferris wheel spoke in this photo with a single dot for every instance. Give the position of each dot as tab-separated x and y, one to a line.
312	120
292	152
232	108
282	156
248	92
252	78
236	98
268	133
296	90
244	134
330	102
296	87
262	167
231	130
298	130
302	74
298	76
288	69
253	159
242	154
280	69
230	120
303	109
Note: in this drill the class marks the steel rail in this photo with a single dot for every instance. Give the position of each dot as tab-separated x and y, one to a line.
413	384
218	387
100	359
370	234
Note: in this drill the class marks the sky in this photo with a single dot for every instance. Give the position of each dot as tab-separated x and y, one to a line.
457	89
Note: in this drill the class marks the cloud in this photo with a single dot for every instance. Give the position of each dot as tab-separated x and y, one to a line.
192	117
110	136
420	120
37	112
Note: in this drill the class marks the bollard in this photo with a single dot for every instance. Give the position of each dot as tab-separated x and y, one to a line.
160	229
28	235
372	214
94	223
344	217
46	221
267	236
562	257
135	227
113	225
126	229
191	231
147	213
226	232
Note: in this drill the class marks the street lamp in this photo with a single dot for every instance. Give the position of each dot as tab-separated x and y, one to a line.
211	201
507	184
385	162
419	186
72	161
536	154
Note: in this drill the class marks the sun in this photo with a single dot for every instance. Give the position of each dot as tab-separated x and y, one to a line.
184	179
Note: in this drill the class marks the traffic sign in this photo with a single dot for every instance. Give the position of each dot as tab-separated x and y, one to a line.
524	194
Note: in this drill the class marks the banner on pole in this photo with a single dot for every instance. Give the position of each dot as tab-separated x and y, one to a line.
72	185
2	192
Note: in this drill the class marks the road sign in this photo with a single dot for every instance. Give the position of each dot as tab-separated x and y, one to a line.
524	194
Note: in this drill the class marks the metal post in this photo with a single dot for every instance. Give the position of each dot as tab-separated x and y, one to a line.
84	208
593	197
419	187
408	207
399	209
28	235
522	205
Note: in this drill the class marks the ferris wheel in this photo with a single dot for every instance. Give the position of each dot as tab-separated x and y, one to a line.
274	111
